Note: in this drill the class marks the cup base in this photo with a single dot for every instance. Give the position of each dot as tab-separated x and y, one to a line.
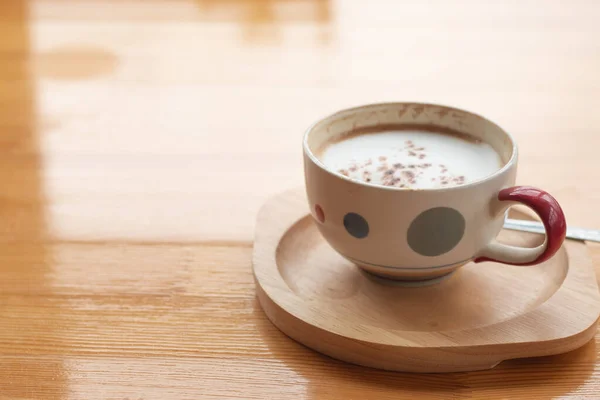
408	276
394	281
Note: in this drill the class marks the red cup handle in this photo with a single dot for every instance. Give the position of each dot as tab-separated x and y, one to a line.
553	218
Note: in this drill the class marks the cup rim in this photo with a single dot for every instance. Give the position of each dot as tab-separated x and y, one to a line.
308	152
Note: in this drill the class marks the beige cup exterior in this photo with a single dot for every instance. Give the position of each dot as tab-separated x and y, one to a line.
389	212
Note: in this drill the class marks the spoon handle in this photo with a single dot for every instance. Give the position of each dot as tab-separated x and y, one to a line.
537	227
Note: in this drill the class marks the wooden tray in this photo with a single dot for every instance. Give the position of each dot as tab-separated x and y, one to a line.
482	315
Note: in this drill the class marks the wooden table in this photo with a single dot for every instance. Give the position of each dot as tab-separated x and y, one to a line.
139	138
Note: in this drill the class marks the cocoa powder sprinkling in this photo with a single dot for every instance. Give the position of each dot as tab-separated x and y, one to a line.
408	174
459	180
398	174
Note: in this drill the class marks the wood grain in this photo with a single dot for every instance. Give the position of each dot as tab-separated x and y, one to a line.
139	138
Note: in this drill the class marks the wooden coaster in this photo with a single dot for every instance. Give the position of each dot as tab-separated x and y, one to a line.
482	315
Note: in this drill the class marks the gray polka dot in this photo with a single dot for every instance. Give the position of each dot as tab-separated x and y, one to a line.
356	225
436	231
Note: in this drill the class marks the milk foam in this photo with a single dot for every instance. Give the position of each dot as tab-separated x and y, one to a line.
411	159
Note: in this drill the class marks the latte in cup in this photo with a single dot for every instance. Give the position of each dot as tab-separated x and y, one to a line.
412	192
410	158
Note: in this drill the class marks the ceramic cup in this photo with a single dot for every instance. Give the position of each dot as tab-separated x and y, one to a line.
424	234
